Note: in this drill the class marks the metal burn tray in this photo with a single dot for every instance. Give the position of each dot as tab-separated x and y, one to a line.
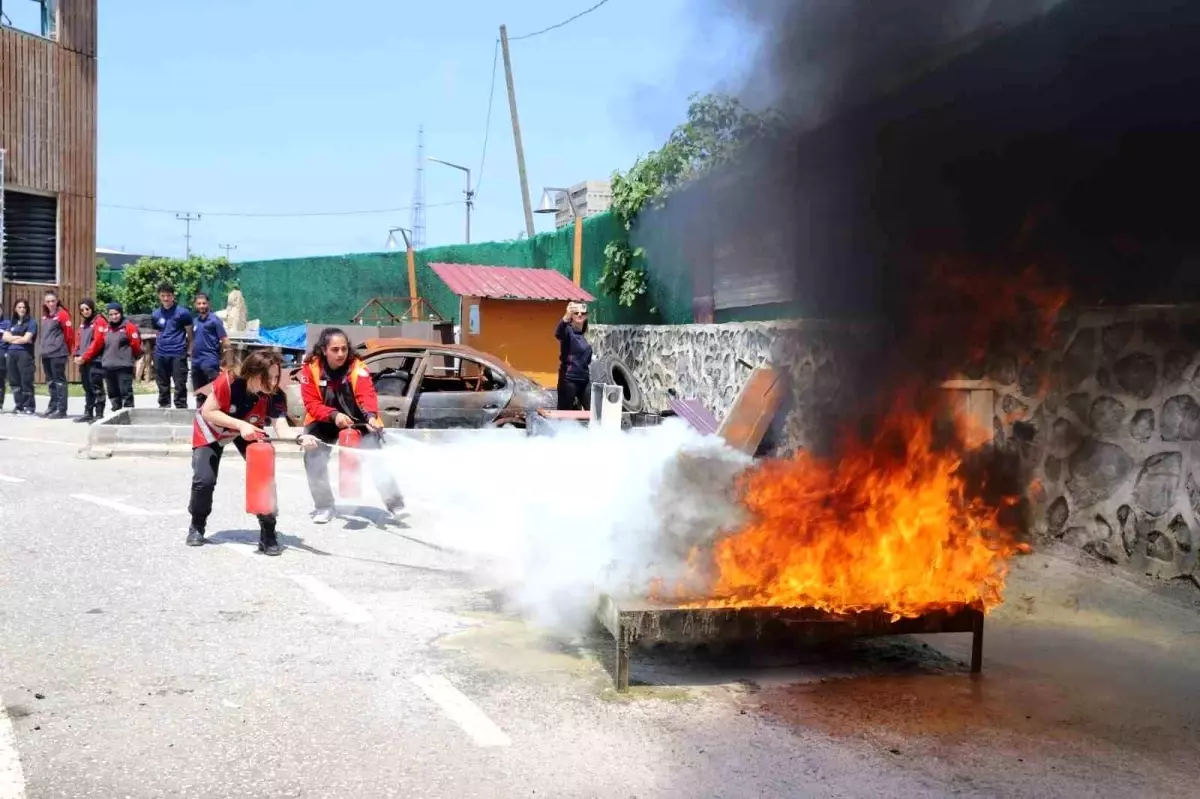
638	620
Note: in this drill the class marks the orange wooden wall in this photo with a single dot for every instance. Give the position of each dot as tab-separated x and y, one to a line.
48	130
519	332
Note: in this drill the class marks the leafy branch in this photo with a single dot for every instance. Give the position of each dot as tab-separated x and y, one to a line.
717	127
142	279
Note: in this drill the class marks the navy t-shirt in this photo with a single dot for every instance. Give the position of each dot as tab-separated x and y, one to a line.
171	325
207	332
20	328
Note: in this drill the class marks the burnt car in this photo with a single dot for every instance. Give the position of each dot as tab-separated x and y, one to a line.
424	385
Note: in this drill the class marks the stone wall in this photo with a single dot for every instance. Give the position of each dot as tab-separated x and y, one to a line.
702	362
1106	421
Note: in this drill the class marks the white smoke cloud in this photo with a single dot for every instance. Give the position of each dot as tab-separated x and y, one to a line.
556	520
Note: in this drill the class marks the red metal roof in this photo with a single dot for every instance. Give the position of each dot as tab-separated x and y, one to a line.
509	283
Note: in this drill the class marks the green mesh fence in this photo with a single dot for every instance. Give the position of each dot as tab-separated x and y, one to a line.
113	277
332	289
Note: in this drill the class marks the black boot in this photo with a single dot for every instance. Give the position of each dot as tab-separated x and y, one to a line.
268	544
87	417
195	536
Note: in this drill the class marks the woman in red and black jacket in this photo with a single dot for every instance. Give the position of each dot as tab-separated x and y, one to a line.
237	408
338	393
118	344
91	375
56	340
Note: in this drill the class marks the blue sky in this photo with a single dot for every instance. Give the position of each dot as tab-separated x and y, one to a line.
276	107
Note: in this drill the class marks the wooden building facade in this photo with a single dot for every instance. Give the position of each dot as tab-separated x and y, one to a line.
48	134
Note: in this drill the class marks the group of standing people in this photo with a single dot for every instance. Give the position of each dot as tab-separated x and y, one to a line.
53	337
105	349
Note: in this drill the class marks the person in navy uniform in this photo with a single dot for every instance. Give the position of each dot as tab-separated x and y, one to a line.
209	341
174	327
22	330
91	375
56	339
237	409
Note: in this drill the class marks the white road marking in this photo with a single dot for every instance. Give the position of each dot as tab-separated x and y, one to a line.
12	778
355	614
461	710
4	478
113	504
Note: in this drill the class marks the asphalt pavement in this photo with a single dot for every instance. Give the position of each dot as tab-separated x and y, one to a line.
369	661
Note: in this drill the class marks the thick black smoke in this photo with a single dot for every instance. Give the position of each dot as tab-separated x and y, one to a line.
819	57
987	137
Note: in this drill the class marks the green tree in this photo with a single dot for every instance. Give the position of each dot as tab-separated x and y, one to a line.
718	126
143	278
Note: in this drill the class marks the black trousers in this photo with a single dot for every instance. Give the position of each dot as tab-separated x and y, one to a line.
92	377
20	377
316	468
119	381
55	369
3	376
201	377
574	394
206	464
168	368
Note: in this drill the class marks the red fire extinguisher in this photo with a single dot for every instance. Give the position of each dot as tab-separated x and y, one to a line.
260	478
348	463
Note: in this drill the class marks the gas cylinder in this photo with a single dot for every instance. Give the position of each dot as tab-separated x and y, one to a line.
260	478
349	462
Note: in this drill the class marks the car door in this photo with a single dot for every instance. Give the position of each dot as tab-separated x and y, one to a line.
395	375
457	391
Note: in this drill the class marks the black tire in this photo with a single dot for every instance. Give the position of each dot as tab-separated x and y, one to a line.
618	372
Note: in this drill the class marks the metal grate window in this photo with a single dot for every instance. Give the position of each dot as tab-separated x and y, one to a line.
30	238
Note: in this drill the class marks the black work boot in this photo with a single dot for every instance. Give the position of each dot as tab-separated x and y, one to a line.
195	536
268	544
87	417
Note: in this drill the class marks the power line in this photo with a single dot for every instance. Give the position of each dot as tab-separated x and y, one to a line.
559	25
276	215
487	125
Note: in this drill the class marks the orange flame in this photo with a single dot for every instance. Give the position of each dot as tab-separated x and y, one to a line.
888	526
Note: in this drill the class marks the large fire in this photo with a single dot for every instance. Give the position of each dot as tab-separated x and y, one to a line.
887	526
891	522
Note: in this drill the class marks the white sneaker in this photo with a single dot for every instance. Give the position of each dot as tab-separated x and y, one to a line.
322	516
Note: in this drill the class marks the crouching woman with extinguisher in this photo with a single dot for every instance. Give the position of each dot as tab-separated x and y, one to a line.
237	409
339	394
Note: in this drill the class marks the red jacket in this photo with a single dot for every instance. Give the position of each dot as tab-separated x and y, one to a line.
317	390
63	317
97	345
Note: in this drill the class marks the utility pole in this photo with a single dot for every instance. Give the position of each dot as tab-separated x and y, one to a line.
227	248
469	191
418	201
187	220
516	123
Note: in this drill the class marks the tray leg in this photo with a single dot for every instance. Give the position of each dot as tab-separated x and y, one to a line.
977	643
622	664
